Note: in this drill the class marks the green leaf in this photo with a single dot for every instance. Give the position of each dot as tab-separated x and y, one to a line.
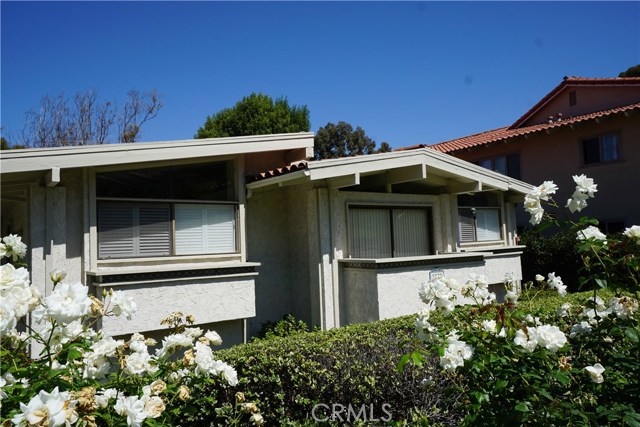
602	283
417	359
545	393
403	361
632	420
501	384
632	334
522	407
562	377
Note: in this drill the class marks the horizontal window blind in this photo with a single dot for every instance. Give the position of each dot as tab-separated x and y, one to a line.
205	229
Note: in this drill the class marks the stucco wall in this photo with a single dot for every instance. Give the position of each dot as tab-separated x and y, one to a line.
208	300
558	155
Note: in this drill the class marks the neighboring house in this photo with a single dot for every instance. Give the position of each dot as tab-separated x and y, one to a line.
585	126
199	227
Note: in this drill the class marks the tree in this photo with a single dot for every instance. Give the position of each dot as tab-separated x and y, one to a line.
333	141
85	119
631	72
256	114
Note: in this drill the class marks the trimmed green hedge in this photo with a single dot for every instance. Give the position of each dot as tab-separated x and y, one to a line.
353	365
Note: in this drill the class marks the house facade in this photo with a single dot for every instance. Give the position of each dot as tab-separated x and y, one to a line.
199	227
583	126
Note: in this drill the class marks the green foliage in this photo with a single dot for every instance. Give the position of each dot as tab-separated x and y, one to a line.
285	327
633	71
334	141
353	365
546	253
256	114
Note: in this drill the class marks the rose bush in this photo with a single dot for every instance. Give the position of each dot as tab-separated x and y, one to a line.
84	377
577	366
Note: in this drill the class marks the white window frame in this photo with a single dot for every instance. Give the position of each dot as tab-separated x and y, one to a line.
472	213
391	238
172	204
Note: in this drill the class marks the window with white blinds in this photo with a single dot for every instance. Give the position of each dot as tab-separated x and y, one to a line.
127	229
205	229
479	224
389	232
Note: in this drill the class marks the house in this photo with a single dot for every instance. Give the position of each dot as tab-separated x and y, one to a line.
585	126
240	231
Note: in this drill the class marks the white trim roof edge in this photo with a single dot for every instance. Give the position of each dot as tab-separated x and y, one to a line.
35	159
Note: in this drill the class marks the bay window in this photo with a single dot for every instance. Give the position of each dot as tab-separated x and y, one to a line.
182	210
389	232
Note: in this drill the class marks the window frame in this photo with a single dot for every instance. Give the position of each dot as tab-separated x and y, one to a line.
430	238
488	205
492	160
601	148
171	203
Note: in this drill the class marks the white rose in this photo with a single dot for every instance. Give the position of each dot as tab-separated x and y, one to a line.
68	302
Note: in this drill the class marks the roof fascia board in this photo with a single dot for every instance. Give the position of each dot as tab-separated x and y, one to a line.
116	154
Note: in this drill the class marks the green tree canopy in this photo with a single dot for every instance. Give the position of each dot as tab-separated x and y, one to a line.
256	114
631	72
333	141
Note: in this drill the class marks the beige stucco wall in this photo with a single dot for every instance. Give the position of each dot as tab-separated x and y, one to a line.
558	155
209	300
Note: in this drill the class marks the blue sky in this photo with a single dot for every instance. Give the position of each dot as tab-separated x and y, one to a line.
406	72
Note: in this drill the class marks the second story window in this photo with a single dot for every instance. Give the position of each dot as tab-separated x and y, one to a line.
604	148
506	165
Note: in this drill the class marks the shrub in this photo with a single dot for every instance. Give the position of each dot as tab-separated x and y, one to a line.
353	365
285	327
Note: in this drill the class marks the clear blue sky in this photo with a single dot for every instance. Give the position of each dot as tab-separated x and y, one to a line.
405	72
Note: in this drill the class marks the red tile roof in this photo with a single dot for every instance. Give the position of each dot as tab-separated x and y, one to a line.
292	167
507	132
575	81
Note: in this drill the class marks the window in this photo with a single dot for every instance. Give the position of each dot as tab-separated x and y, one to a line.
383	232
506	165
182	210
478	218
604	148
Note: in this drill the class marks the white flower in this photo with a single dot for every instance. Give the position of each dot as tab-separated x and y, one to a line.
193	333
580	329
591	232
177	375
95	366
547	336
14	284
595	372
13	247
490	326
203	358
441	293
539	278
171	342
585	188
585	185
102	397
544	191
107	346
132	408
153	406
50	409
213	337
623	307
7	315
555	282
563	311
455	353
527	340
533	207
229	374
138	364
123	305
68	302
633	233
551	337
57	275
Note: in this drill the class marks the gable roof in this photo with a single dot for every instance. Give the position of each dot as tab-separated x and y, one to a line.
508	132
574	81
422	164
